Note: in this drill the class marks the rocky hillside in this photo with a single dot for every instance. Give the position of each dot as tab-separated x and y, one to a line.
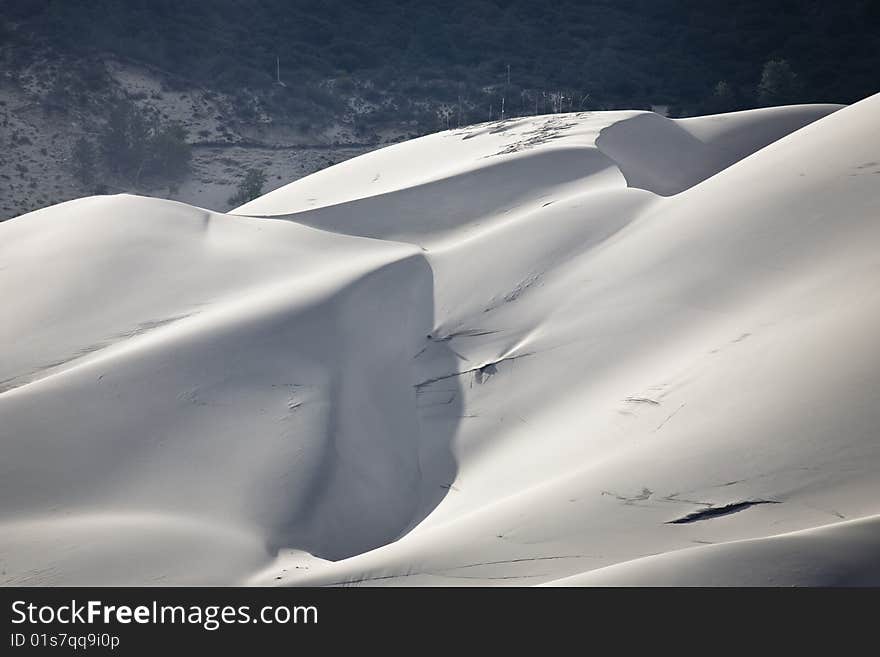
46	107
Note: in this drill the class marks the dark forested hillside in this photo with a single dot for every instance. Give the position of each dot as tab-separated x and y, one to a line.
605	53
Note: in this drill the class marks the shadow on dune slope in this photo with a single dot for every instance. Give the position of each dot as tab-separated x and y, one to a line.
668	156
386	460
285	410
415	214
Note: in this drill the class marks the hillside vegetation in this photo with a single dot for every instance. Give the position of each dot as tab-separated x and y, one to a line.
403	57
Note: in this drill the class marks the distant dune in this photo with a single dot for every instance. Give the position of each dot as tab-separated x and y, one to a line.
603	348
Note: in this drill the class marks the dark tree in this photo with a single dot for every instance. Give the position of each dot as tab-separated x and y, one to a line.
84	160
170	153
135	146
723	99
250	187
123	140
779	85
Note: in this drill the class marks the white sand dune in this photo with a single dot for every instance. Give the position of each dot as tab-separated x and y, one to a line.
583	349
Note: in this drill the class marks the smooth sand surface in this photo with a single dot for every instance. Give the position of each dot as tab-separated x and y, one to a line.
603	348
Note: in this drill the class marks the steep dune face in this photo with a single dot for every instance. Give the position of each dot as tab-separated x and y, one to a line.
254	376
668	157
533	351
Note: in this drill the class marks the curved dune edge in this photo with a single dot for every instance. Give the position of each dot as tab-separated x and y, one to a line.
680	153
841	554
512	354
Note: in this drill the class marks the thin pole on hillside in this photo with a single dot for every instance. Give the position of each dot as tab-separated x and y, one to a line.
278	72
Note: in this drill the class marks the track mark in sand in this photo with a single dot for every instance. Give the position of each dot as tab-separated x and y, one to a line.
352	582
48	369
522	419
493	578
435	397
466	333
145	327
521	287
717	511
675	498
484	370
832	512
629	501
669	417
642	400
442	572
